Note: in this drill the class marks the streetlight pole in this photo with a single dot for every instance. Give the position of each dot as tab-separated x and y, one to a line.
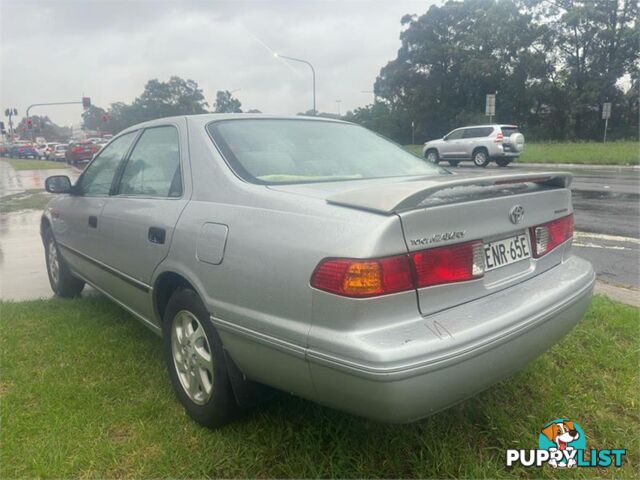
313	73
338	102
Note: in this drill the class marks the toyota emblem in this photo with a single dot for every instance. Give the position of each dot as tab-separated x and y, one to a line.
516	214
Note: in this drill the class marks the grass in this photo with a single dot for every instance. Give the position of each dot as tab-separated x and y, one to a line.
612	153
29	200
84	393
25	164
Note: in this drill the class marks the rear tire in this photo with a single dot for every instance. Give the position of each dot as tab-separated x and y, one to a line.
503	162
432	156
481	157
62	282
454	163
196	362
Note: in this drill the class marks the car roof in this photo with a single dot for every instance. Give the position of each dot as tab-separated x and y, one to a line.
492	125
206	118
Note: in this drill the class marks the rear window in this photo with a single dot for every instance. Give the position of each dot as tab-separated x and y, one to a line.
478	132
508	131
279	151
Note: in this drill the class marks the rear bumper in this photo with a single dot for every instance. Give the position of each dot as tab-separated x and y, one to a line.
408	372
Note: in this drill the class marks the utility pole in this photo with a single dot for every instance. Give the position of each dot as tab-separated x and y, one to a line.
413	133
338	102
313	74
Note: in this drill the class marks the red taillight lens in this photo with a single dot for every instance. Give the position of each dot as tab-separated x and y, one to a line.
368	278
455	263
499	138
548	236
363	278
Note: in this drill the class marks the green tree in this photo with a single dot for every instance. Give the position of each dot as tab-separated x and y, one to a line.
93	118
225	103
43	127
455	54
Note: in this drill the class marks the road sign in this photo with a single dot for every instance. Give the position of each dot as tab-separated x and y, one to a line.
490	107
606	110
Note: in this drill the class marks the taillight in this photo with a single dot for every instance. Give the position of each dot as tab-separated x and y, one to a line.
548	236
455	263
363	278
381	276
499	138
77	150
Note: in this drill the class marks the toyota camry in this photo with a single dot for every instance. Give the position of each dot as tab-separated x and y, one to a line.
315	257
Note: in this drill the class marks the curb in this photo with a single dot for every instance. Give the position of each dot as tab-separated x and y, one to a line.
579	166
626	295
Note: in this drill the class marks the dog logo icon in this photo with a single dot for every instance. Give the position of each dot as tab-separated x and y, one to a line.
562	436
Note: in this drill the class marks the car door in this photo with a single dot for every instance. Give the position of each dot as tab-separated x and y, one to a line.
140	216
76	217
452	145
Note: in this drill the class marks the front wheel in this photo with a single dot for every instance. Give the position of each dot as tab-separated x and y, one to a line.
432	156
480	158
62	282
195	360
503	162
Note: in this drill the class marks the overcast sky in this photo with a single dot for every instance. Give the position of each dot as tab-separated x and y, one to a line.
57	50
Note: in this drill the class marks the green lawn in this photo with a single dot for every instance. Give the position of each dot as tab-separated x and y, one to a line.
612	153
29	200
84	393
27	164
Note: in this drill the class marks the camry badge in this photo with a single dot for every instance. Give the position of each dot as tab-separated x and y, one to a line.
516	214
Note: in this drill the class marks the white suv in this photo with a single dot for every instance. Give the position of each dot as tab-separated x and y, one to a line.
480	144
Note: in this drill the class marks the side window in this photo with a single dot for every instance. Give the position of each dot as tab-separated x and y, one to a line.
486	131
475	133
455	135
97	178
153	168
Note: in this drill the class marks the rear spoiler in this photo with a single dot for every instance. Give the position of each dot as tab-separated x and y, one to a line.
406	195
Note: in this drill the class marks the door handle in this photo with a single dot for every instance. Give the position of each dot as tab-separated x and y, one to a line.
93	221
157	235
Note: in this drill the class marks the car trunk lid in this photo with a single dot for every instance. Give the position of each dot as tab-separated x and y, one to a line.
497	210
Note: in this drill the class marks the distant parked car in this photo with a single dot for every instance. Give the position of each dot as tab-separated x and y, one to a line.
80	152
59	153
480	144
48	149
42	150
4	149
23	150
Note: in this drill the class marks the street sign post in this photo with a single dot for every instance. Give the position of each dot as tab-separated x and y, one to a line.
606	115
490	107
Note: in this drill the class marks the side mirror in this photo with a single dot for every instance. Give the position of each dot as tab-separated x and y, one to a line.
58	184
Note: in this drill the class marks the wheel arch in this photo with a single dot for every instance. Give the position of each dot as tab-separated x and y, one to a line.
165	285
478	148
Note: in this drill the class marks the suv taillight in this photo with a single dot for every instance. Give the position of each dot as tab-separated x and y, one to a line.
548	236
381	276
499	138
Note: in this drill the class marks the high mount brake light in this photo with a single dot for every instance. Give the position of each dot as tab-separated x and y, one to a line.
382	276
549	235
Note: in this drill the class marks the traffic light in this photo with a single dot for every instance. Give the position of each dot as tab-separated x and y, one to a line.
86	102
29	123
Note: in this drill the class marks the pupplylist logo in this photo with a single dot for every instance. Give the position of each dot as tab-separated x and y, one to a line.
563	444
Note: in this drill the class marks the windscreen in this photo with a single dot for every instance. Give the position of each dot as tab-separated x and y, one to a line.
273	151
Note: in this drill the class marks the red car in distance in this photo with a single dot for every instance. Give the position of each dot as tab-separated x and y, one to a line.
80	152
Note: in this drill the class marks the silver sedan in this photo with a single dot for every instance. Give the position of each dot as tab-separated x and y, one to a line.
315	257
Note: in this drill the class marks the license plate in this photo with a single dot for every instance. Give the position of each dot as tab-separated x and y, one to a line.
506	251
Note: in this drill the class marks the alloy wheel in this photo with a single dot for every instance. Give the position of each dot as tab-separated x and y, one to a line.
52	258
192	357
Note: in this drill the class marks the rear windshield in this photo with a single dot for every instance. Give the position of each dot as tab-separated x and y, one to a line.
272	151
508	131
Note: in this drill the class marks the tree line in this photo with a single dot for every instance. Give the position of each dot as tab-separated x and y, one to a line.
551	63
159	99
